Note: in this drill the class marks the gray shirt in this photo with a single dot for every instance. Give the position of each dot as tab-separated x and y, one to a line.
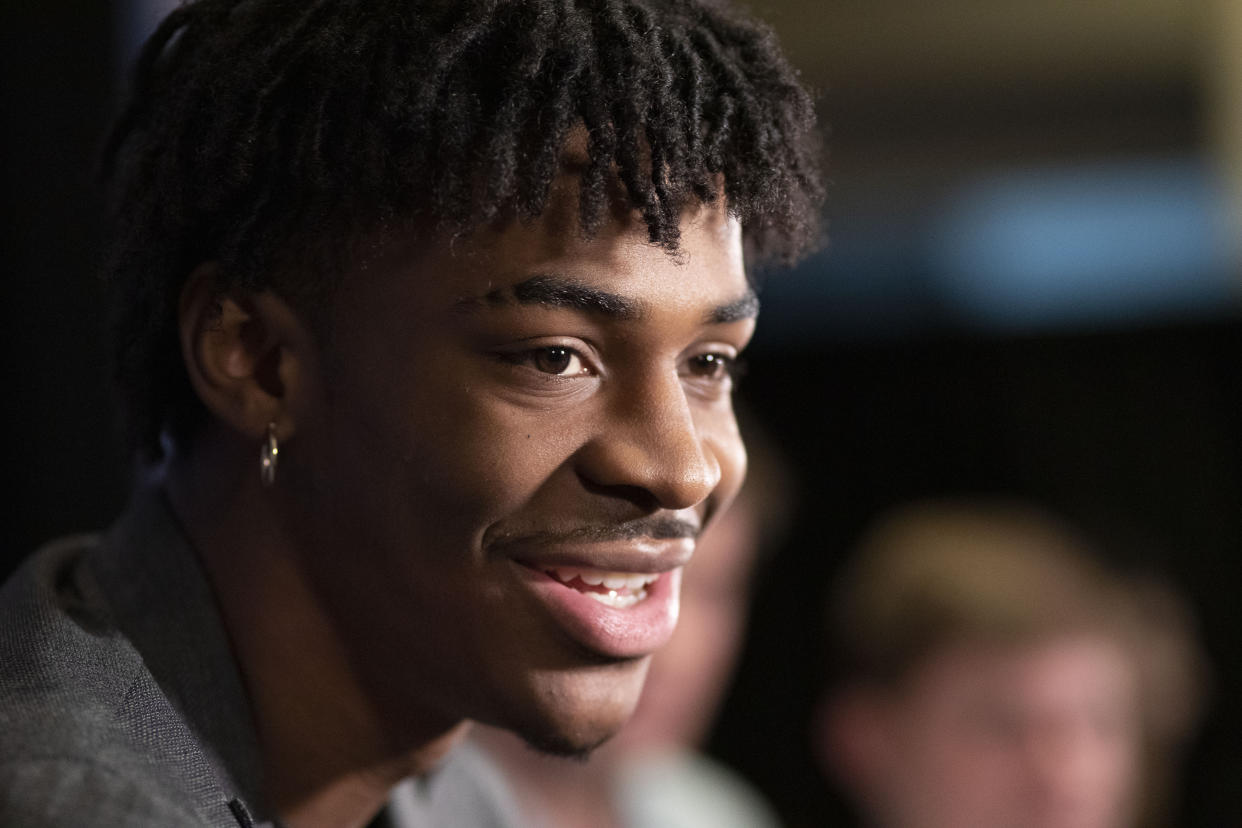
121	703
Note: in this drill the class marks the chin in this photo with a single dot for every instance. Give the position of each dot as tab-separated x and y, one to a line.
574	712
574	748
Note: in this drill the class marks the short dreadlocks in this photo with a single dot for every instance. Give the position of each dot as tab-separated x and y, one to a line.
258	128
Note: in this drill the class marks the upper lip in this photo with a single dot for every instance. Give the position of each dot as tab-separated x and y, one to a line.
653	544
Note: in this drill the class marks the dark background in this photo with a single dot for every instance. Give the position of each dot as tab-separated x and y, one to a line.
1135	434
1116	401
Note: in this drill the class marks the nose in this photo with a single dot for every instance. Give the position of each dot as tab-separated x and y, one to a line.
651	448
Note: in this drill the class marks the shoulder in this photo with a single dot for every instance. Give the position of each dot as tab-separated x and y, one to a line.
51	793
65	662
75	699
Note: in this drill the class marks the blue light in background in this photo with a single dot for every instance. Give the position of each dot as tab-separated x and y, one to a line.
1072	247
1082	245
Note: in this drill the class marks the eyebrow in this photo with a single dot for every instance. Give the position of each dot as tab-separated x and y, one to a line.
745	306
555	292
561	292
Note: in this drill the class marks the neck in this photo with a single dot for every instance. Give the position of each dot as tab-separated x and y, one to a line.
329	756
554	791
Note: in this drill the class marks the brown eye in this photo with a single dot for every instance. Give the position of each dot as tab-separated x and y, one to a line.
711	366
555	360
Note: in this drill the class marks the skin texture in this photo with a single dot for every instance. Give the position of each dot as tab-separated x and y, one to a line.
995	736
480	409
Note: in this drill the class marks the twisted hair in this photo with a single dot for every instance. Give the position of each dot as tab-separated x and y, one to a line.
264	130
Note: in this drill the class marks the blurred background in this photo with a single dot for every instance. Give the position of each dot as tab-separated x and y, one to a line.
1031	288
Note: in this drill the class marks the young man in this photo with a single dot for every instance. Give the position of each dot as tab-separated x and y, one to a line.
992	673
425	319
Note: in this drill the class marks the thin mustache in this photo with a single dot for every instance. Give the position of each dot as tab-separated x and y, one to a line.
654	528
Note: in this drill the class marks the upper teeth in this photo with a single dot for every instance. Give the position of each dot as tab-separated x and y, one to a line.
633	581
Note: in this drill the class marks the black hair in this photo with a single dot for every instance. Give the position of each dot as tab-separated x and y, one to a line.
262	130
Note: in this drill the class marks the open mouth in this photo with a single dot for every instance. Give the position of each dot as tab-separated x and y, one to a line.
630	613
612	589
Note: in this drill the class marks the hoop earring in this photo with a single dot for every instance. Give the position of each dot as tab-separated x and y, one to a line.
269	452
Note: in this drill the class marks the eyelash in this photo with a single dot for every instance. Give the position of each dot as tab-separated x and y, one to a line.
531	357
732	368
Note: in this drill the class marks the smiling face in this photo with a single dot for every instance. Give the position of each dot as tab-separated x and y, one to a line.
502	423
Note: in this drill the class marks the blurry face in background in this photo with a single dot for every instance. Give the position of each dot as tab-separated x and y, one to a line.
986	737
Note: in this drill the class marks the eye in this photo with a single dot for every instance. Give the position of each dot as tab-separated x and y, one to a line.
557	360
713	366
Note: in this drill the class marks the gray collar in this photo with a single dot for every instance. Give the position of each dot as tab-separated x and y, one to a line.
163	603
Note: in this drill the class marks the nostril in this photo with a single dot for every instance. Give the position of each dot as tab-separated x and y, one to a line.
643	499
673	483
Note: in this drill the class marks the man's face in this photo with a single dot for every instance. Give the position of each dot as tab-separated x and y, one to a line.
1039	737
505	420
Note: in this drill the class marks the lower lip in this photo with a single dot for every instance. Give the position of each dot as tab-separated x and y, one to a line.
612	632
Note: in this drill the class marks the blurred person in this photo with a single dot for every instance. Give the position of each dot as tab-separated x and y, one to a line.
993	674
426	320
651	775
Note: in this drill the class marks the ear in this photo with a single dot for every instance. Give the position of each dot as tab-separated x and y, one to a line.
249	355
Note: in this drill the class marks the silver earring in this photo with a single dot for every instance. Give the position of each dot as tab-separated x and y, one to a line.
268	454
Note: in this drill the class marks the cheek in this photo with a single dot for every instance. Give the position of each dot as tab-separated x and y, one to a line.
722	439
453	466
412	426
1108	765
945	770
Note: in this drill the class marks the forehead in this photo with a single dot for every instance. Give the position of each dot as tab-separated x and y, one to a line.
1057	671
531	264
